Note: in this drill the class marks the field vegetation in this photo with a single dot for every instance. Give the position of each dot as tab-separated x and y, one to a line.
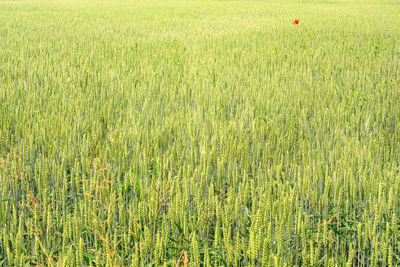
199	133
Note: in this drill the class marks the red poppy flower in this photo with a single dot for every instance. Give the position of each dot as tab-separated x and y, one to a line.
296	21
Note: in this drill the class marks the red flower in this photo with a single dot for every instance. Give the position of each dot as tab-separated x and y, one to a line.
296	21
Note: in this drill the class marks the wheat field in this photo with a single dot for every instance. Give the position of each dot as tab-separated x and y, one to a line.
199	133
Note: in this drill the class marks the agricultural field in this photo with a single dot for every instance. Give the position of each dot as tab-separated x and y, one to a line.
199	133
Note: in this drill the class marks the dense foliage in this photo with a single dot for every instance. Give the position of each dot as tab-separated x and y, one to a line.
188	132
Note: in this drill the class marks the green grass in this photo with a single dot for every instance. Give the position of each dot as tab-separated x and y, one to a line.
188	132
